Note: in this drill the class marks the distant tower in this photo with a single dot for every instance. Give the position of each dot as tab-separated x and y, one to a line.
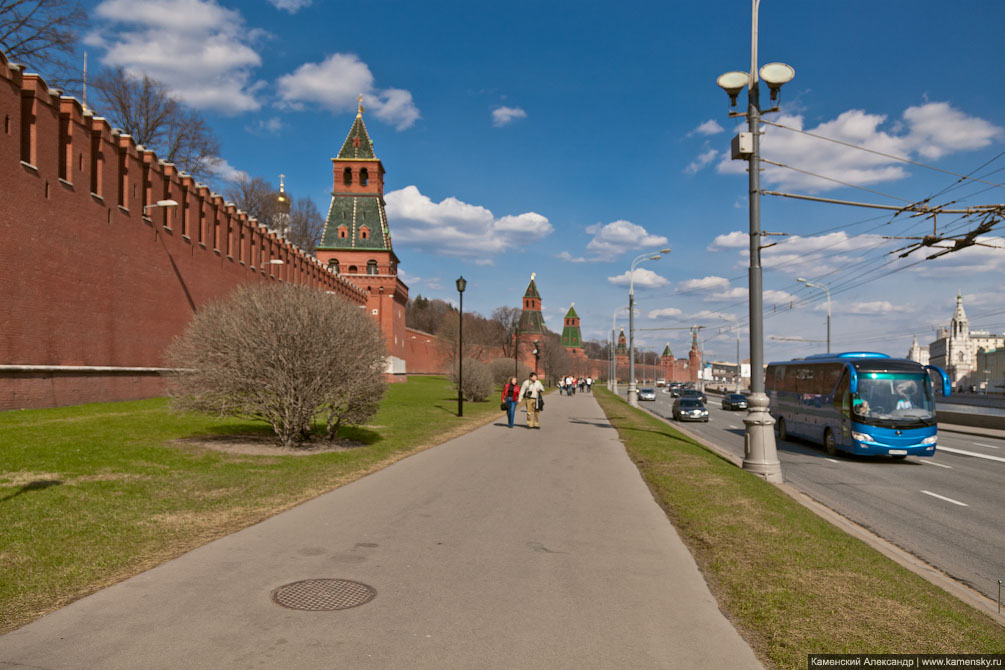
356	241
281	219
666	363
694	356
572	339
621	356
531	324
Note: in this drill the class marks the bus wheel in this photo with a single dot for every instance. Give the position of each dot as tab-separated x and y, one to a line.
782	434
829	444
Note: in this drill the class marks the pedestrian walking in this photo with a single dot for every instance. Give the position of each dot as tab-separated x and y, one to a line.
589	384
561	385
532	395
511	396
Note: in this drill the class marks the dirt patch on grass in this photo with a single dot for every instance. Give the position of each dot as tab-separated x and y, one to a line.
26	478
252	444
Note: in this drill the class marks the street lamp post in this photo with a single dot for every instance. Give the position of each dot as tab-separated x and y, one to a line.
516	349
760	453
633	399
537	353
160	203
825	288
461	285
733	320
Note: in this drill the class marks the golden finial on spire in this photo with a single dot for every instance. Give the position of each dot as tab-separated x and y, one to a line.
360	111
532	275
281	177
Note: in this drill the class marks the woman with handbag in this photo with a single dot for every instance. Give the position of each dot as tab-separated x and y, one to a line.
510	398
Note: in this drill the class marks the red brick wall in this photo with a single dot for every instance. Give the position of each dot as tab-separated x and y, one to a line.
85	278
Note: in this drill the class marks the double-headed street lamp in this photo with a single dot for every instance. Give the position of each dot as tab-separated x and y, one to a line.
824	287
461	285
760	454
632	391
612	382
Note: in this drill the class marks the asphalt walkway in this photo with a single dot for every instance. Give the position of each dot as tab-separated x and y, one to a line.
504	548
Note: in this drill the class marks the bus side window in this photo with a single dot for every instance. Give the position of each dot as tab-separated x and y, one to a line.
842	399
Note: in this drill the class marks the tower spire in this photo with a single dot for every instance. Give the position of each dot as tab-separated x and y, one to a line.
360	110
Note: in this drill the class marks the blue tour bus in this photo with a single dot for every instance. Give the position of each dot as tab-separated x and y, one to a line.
860	402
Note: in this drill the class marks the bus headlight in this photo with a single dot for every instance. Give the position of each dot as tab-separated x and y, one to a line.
861	437
931	439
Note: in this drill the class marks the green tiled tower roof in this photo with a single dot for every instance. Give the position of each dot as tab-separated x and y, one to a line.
354	215
531	322
357	143
666	352
571	337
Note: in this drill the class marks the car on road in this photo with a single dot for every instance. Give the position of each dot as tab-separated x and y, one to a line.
694	393
734	401
674	390
647	394
661	382
689	409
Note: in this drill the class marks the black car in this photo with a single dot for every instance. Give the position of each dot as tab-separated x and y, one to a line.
734	401
675	390
694	393
689	409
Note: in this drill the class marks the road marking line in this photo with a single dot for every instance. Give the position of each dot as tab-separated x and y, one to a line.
831	460
955	502
732	426
973	453
981	444
936	464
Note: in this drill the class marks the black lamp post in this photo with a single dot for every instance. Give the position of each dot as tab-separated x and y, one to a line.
461	285
537	353
516	350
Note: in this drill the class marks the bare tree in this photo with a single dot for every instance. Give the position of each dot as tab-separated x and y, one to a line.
478	383
41	33
555	360
257	197
281	354
507	318
306	225
143	108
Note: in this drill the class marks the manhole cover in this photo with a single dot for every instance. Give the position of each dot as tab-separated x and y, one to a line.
316	595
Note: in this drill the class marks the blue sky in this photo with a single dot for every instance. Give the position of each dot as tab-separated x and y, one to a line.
567	138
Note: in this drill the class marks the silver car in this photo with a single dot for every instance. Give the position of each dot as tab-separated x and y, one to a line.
647	394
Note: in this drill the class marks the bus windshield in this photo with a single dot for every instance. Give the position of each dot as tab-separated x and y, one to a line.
894	400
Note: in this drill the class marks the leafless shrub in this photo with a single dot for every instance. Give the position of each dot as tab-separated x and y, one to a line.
502	370
281	354
478	383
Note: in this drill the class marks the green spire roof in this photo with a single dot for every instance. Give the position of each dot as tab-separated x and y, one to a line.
571	337
666	352
532	289
357	143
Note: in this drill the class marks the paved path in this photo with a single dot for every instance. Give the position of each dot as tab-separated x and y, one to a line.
501	549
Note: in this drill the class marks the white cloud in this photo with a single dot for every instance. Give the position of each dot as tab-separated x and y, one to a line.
455	228
407	278
733	240
566	256
197	48
703	159
705	283
263	126
643	277
874	307
335	84
665	311
613	239
502	116
224	171
710	127
927	131
291	6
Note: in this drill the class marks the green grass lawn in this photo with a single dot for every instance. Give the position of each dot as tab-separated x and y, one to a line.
92	494
792	583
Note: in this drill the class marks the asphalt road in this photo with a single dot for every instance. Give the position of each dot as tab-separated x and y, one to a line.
948	510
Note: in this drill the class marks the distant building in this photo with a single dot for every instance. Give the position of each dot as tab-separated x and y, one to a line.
917	353
955	349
